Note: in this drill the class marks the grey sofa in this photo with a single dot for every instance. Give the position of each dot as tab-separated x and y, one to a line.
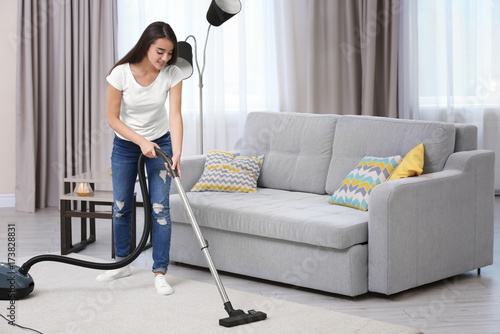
417	230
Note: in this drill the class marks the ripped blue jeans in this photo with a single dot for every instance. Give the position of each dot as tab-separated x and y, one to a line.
124	172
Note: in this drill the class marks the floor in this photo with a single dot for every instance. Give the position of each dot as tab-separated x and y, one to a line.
468	303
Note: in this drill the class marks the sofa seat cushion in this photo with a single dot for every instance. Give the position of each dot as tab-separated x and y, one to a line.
280	214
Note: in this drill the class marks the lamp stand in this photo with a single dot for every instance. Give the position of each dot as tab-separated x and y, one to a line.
200	82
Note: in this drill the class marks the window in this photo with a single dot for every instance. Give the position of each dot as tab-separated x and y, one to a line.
459	53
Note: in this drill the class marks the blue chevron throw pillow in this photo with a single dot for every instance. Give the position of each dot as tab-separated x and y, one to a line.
355	190
225	172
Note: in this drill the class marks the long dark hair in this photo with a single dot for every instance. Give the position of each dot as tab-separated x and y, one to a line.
154	31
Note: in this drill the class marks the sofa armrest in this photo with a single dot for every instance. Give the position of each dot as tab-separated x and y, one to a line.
191	169
426	228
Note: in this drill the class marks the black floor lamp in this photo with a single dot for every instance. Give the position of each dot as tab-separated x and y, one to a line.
219	12
184	59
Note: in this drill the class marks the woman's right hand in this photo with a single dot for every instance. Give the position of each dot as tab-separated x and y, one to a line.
148	148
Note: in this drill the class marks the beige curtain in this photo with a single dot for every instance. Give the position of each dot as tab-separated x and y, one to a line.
65	49
338	56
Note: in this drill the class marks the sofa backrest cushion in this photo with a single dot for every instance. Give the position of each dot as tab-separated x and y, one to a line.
359	136
465	137
297	148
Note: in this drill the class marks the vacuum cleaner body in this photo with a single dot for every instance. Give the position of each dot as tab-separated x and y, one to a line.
13	284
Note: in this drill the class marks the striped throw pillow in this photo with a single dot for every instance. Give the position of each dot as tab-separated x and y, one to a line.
355	190
227	173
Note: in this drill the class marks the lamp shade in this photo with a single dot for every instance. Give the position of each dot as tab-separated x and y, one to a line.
185	59
222	10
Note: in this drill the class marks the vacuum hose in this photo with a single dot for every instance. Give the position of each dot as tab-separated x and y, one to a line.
145	234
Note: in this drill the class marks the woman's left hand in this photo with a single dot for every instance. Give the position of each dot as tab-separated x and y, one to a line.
176	165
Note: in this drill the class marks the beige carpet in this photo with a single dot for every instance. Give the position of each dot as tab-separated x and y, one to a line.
68	299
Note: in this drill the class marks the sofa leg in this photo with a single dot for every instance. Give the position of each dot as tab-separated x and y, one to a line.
479	271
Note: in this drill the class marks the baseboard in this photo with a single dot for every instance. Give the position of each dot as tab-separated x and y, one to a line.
7	200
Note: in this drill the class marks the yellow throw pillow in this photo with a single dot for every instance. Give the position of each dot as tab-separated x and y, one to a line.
412	164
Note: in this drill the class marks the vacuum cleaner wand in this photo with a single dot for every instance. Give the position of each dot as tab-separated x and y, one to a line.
236	317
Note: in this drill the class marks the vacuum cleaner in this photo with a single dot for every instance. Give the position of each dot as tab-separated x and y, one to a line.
16	283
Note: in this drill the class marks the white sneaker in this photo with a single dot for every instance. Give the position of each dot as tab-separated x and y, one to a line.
114	274
162	286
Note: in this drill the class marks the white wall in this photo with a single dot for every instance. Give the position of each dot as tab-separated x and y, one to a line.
8	33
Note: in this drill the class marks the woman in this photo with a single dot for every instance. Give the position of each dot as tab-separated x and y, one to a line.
138	86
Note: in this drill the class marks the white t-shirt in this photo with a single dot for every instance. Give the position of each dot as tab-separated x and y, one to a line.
143	108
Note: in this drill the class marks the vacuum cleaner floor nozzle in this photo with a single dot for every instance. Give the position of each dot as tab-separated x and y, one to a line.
239	317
